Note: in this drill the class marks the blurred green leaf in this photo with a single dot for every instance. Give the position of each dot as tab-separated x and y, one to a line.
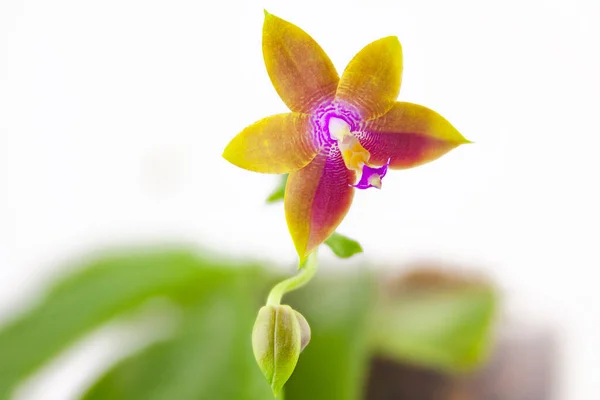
446	329
334	364
342	246
209	358
95	293
279	192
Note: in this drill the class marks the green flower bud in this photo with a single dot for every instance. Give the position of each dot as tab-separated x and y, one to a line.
280	333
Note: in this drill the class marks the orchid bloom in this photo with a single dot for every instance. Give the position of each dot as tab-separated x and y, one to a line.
343	133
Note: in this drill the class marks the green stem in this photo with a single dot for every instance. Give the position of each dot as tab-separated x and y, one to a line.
306	274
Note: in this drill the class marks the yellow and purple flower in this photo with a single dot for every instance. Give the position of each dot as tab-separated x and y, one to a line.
343	132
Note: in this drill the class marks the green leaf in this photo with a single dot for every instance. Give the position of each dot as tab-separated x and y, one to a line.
209	358
334	364
279	192
447	329
96	292
342	246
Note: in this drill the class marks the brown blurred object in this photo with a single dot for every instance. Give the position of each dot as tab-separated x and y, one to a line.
424	276
521	366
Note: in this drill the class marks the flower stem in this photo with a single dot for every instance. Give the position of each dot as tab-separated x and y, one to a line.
306	274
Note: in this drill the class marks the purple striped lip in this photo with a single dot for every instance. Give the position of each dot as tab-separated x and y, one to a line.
372	177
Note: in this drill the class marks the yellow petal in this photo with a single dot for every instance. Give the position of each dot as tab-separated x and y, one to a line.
371	81
300	71
276	145
317	198
409	135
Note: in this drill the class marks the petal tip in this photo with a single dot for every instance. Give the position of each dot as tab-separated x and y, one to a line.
302	258
460	139
229	154
301	246
304	254
391	40
268	15
227	151
269	19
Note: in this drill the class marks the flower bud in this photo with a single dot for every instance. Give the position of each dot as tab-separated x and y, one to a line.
280	333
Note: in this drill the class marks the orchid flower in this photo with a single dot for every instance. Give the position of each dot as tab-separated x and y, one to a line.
342	134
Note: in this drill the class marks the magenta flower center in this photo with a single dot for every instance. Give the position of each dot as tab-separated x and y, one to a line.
337	126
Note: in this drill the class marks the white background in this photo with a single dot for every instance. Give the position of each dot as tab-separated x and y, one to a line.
114	114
